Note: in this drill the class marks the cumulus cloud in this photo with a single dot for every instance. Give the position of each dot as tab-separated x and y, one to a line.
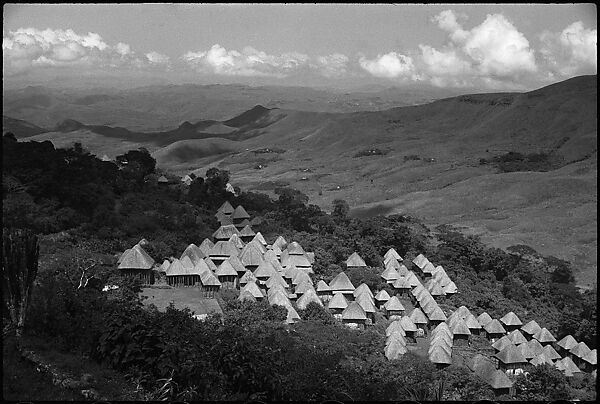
249	62
30	47
334	65
390	65
570	52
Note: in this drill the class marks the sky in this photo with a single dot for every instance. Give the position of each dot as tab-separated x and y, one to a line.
484	47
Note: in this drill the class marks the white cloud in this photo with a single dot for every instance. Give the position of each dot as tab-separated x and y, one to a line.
570	52
334	65
249	62
390	65
30	47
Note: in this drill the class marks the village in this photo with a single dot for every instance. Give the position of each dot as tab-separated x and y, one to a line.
411	306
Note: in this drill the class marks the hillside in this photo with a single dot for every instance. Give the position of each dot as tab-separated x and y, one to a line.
428	162
20	128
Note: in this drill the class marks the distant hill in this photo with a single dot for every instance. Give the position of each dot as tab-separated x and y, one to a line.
20	128
433	165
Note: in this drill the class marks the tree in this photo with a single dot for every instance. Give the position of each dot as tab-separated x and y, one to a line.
20	251
340	210
542	383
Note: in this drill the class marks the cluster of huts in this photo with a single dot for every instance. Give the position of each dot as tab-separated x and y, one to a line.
227	215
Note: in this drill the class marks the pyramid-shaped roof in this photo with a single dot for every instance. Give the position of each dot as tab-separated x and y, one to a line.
247	232
226	208
441	338
390	274
292	315
401	283
240	213
322	286
382	296
176	268
429	268
187	263
511	319
535	346
280	242
395	350
201	266
276	279
237	241
543	335
210	264
392	253
124	254
366	303
551	353
569	367
472	322
253	288
225	221
165	265
299	261
301	277
412	279
270	256
294	248
391	262
531	327
225	232
437	290
498	380
420	261
494	327
209	279
396	337
355	260
289	271
303	287
279	298
354	311
484	319
402	271
540	360
341	283
394	304
362	288
580	350
265	270
439	355
502	343
338	301
567	342
136	258
460	328
511	354
251	255
393	327
259	237
257	244
591	357
407	324
437	315
442	327
418	317
309	296
205	246
194	252
226	269
247	277
517	337
450	288
237	264
245	295
223	249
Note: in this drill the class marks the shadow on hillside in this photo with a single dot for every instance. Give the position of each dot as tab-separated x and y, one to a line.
364	213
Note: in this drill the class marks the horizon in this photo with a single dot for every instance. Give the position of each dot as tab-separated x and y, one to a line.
456	48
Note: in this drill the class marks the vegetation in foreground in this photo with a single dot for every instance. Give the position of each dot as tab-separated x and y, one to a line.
87	210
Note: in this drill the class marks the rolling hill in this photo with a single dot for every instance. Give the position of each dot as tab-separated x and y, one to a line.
433	161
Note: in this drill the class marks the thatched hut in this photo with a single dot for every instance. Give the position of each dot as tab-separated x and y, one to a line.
354	315
227	275
390	275
565	345
409	328
355	261
341	283
210	284
224	233
511	361
511	322
337	305
494	330
238	216
194	253
251	256
440	357
381	298
402	286
205	246
530	329
222	251
324	291
392	253
136	263
394	308
544	337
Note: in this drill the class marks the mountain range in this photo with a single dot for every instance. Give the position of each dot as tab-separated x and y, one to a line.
436	161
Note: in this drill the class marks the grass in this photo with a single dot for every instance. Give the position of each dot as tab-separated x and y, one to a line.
181	297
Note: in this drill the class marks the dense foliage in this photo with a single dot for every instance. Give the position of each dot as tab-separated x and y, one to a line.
89	209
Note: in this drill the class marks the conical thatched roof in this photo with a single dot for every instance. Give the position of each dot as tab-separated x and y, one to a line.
395	350
226	208
540	360
392	253
205	246
124	254
442	327
366	303
301	277
569	367
292	315
354	312
322	286
237	241
429	268
236	264
551	353
472	322
303	287
225	221
341	283
289	271
494	327
309	296
394	304
412	279
257	244
407	324
294	248
439	344
511	319
484	319
165	265
226	269
567	342
517	337
247	277
253	288
136	258
299	261
401	283
225	232
270	256
211	265
382	296
591	357
544	335
175	269
402	271
244	295
187	263
223	249
259	237
580	350
390	274
391	262
437	315
439	355
362	288
418	317
460	328
498	380
393	327
355	260
209	279
420	261
280	242
240	213
247	232
535	346
279	298
338	301
502	343
511	354
441	338
265	270
531	328
276	279
450	288
194	253
395	337
437	290
251	256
